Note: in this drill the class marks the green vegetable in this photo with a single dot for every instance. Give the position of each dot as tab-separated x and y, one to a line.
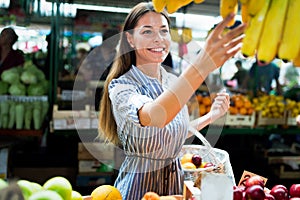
12	114
28	115
36	90
45	108
17	89
20	110
3	87
4	106
29	77
37	115
11	75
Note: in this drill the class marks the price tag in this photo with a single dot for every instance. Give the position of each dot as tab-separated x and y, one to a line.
247	175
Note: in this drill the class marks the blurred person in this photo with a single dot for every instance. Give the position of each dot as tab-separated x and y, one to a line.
9	57
143	107
240	75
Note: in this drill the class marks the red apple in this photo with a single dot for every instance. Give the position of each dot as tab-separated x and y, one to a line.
255	192
197	160
254	180
295	190
237	193
295	198
280	192
269	197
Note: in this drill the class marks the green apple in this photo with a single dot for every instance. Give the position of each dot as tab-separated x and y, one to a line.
3	183
76	195
26	188
60	185
45	195
36	187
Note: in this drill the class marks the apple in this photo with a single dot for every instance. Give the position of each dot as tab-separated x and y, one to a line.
280	192
237	193
3	183
295	190
26	187
36	187
60	185
269	197
76	195
295	198
45	195
255	192
254	180
197	160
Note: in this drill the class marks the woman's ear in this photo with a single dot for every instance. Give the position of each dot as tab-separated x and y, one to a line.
130	39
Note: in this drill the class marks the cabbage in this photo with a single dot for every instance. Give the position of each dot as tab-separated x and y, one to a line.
36	90
17	89
11	75
29	77
3	87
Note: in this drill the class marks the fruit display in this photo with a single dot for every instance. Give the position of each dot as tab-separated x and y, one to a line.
154	196
172	5
293	107
55	188
270	106
106	192
204	102
255	189
240	105
194	161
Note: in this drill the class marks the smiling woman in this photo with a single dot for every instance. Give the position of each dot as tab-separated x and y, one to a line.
143	108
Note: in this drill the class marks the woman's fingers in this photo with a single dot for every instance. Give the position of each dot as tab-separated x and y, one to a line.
221	26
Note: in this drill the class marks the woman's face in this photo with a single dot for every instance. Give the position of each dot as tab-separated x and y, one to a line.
151	39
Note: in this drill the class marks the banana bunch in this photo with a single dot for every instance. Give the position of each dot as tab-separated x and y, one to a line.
273	30
172	5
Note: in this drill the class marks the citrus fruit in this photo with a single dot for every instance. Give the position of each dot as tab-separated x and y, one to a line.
189	165
60	185
106	192
186	158
151	196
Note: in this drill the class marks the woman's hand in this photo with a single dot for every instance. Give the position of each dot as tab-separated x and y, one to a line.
219	47
219	106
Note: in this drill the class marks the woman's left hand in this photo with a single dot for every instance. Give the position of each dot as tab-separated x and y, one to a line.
219	106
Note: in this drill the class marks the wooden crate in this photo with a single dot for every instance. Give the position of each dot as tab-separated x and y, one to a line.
281	171
263	121
71	119
291	121
240	120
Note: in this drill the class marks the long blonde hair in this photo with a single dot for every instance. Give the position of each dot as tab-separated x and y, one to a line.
124	59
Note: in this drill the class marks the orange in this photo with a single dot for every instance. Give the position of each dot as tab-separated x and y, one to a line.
247	104
202	109
186	158
250	111
199	98
151	196
188	165
233	110
243	111
106	192
238	103
206	101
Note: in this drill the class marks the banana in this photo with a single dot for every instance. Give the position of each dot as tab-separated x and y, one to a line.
198	1
245	13
175	35
253	31
174	5
159	5
244	1
290	43
186	35
254	6
272	31
227	7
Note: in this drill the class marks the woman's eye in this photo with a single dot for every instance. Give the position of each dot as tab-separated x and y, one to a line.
147	32
165	31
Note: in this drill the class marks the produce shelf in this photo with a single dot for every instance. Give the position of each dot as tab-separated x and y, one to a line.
14	132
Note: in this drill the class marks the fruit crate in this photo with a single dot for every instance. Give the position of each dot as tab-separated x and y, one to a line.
71	119
282	170
291	121
264	121
240	120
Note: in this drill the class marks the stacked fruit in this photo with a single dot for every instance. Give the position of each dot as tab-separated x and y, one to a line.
193	161
205	102
172	5
240	104
55	188
272	25
254	188
270	106
293	107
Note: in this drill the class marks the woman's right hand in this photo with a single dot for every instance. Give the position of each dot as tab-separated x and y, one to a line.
219	47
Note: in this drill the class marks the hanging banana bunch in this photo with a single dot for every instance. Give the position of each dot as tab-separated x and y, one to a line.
172	5
175	35
254	6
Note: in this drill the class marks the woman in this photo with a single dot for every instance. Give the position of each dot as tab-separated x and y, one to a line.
8	56
143	106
